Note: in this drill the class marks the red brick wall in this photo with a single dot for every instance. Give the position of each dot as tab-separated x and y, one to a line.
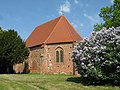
60	67
35	59
43	60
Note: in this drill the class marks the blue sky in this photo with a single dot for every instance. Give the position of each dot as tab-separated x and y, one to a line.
24	15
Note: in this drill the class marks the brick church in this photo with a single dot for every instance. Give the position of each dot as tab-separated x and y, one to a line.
51	45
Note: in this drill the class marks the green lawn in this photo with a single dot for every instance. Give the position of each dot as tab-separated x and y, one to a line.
45	82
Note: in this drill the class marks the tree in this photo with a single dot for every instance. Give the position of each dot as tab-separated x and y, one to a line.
1	30
12	50
110	15
98	57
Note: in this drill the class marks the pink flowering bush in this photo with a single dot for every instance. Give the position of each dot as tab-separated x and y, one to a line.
98	57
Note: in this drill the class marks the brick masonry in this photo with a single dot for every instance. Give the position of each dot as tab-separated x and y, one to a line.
43	59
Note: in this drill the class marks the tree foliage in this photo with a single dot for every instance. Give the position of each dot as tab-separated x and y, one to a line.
1	30
12	49
98	57
110	15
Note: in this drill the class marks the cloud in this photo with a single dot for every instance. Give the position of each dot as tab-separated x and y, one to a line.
111	1
49	16
80	3
77	25
91	18
74	25
81	25
76	1
64	8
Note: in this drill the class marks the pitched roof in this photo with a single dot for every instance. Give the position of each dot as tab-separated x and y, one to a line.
55	31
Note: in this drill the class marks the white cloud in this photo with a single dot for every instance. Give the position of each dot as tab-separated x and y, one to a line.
49	16
65	7
111	1
80	3
81	25
74	25
91	18
76	1
77	25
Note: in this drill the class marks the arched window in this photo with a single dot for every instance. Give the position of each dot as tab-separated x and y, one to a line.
57	56
61	55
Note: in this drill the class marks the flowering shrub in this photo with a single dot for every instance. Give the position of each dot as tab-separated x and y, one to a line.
98	57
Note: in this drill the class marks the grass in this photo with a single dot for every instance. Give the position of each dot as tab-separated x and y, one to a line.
45	82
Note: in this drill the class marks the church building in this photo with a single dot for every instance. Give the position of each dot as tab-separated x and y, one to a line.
51	45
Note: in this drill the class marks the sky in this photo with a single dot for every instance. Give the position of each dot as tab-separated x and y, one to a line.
24	15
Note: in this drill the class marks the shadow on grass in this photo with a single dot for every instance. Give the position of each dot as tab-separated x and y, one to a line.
75	79
83	81
87	82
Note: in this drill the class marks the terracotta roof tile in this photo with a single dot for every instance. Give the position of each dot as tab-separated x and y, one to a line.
54	31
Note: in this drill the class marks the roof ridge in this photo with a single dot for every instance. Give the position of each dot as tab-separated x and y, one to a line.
52	30
73	29
69	29
57	30
39	26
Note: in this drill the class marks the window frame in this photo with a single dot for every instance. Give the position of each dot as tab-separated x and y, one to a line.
59	55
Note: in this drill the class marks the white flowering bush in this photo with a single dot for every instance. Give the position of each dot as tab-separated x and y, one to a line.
98	57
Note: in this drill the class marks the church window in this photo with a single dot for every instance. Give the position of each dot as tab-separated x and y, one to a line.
61	55
57	56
